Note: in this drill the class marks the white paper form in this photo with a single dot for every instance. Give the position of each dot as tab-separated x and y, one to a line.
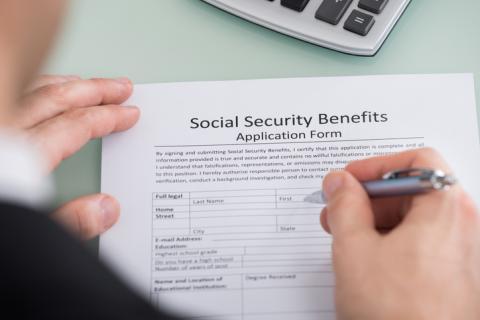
212	180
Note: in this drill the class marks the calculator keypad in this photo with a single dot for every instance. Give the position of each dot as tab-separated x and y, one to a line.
356	27
332	11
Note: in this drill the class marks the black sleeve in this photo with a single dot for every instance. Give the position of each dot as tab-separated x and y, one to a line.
46	274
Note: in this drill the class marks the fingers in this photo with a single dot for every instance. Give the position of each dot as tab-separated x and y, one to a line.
52	100
64	135
388	213
46	80
348	213
89	216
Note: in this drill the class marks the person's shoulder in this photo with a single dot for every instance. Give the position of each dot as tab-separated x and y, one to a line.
15	215
48	274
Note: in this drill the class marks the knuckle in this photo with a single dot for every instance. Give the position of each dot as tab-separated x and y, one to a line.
100	85
460	208
54	91
93	120
80	114
97	82
102	89
83	119
428	157
428	154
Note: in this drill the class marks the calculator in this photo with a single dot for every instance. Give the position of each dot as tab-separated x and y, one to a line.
357	27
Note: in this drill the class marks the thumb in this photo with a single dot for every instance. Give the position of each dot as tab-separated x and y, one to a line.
348	210
88	216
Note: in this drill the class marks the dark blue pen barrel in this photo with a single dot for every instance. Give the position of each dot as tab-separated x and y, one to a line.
396	187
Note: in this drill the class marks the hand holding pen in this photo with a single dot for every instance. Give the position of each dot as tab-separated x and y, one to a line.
403	182
392	253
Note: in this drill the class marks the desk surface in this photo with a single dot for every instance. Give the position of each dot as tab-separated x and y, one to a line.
183	40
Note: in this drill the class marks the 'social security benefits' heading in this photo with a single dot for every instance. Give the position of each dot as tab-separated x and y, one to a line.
289	121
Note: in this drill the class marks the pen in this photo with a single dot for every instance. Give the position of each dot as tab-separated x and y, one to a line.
399	183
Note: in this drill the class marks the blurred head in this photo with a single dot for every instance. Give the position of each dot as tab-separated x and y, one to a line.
27	30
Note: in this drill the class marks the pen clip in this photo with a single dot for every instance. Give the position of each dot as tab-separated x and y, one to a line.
438	179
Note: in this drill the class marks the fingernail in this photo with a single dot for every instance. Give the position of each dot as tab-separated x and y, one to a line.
109	207
124	81
333	182
132	109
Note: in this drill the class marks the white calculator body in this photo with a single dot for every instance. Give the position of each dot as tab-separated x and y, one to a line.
356	27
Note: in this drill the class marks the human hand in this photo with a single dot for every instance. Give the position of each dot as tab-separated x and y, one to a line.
425	262
60	115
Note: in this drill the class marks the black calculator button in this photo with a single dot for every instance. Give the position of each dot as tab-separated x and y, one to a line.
359	23
332	11
375	6
297	5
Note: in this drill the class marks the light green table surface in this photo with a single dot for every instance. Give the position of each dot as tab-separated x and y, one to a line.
183	40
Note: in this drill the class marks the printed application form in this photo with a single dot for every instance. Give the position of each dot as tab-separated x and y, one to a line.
212	181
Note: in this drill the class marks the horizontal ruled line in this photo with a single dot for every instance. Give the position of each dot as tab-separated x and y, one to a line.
286	142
